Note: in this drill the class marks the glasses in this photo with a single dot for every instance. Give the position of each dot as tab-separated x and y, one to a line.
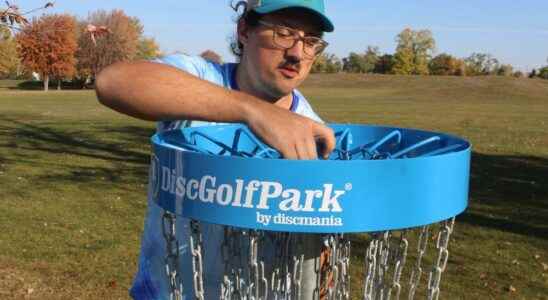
287	38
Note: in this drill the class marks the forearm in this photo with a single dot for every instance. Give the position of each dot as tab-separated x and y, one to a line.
153	91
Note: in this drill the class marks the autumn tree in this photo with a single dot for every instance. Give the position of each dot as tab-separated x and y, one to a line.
371	58
47	46
326	63
354	63
413	52
212	56
445	64
543	72
505	70
12	18
147	49
403	62
481	64
120	43
10	64
384	64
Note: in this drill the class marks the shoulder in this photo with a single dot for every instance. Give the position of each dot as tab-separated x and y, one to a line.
304	108
197	66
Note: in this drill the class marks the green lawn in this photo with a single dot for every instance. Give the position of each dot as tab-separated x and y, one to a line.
73	180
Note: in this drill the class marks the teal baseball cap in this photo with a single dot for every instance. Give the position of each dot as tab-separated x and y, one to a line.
317	7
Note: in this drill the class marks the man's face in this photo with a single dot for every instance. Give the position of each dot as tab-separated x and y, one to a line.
273	70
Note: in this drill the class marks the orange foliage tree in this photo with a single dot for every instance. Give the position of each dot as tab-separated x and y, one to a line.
47	46
118	41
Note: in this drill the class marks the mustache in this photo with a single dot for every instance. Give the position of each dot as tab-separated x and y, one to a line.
294	65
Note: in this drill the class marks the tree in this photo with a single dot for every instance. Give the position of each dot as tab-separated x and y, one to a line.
147	49
10	65
505	70
120	43
543	72
518	74
445	64
371	57
12	19
384	64
413	52
47	46
481	64
212	56
404	62
354	63
326	63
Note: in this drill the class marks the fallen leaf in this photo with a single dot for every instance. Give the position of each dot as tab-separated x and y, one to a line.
544	266
511	289
515	262
483	276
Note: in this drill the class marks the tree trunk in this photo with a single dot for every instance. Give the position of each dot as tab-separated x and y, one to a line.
58	84
46	82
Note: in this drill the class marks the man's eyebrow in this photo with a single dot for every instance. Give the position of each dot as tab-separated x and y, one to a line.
308	33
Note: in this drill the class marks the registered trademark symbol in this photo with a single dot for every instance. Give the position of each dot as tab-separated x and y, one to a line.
348	186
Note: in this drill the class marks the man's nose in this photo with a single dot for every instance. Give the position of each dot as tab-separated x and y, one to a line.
297	51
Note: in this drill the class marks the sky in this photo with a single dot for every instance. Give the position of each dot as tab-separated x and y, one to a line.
514	32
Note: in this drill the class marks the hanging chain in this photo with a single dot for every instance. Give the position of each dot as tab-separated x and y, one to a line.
382	264
443	255
253	274
399	263
196	246
172	256
417	271
370	266
343	261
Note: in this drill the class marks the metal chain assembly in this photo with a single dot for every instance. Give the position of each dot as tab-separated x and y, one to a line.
249	274
172	256
196	246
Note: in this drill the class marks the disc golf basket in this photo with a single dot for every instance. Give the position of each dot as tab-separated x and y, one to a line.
371	222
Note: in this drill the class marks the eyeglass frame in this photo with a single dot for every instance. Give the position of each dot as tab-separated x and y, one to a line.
296	38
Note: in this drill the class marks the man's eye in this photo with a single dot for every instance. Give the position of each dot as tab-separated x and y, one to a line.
284	32
312	43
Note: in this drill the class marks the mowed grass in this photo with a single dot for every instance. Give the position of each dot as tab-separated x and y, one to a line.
73	181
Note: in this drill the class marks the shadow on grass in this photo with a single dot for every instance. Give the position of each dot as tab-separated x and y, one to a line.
509	193
96	156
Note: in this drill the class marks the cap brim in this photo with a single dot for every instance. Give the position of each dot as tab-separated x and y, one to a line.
327	25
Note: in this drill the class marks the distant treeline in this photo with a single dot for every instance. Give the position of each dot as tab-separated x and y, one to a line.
414	56
60	47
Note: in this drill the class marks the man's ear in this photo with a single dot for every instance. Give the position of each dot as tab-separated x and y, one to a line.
243	32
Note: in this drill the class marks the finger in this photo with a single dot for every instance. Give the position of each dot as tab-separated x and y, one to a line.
302	151
289	152
326	137
311	150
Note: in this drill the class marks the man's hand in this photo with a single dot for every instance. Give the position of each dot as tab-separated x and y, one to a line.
294	136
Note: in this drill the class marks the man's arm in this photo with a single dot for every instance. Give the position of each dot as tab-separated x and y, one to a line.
153	91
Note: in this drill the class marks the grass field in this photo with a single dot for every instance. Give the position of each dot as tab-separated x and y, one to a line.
73	176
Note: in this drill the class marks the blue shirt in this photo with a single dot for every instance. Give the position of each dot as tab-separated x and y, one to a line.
151	281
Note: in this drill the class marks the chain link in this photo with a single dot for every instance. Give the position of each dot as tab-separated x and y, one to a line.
370	266
417	270
442	243
172	256
196	246
399	263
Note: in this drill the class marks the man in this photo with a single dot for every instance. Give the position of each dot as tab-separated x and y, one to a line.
278	41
